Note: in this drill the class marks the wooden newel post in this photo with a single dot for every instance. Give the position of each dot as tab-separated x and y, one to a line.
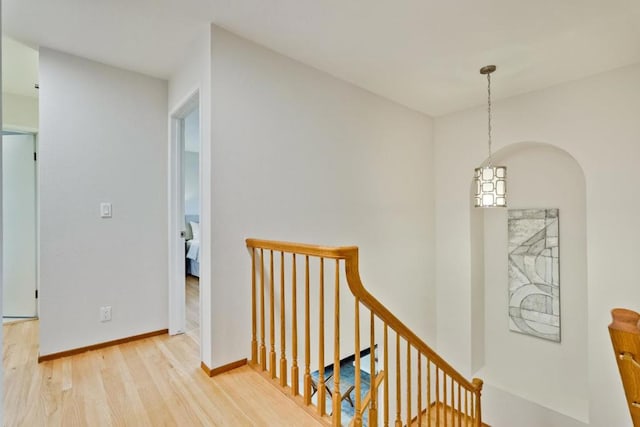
477	383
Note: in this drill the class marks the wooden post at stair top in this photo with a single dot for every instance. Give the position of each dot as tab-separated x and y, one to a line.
358	406
386	375
263	348
254	342
272	330
336	404
294	332
307	344
322	397
373	407
477	383
398	388
408	382
283	338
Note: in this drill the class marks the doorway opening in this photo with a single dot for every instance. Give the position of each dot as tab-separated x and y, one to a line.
184	215
191	191
20	98
19	224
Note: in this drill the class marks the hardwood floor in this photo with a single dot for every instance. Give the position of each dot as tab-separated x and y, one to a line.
192	325
152	382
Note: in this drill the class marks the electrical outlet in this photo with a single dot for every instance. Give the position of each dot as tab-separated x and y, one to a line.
105	313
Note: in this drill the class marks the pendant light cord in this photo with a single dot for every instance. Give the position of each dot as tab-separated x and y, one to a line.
489	113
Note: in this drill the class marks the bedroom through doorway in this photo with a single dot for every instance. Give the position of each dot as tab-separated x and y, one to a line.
185	296
191	192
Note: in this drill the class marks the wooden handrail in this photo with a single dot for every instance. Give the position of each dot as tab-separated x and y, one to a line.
332	252
443	370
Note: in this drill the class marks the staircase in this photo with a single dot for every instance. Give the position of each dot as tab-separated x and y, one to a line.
327	343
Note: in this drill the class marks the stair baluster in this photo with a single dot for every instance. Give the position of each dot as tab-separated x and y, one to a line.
322	397
337	398
263	348
254	342
283	337
294	329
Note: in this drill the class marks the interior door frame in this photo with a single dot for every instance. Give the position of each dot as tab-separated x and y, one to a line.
34	133
177	274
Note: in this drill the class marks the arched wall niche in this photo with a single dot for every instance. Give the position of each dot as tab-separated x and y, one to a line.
551	374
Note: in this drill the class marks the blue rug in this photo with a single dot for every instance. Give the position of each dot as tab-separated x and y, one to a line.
347	379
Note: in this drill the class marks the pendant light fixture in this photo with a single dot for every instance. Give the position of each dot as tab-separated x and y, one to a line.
490	181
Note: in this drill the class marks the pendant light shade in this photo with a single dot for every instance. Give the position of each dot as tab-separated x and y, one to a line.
490	181
491	187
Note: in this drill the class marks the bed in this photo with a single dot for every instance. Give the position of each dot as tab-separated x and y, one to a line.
192	240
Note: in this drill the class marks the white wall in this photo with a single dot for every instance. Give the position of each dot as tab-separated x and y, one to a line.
595	121
103	134
504	409
19	112
301	156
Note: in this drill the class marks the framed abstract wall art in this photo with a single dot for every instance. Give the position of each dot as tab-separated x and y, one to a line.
534	272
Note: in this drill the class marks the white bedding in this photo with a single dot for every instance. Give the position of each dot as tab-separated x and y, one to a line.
193	250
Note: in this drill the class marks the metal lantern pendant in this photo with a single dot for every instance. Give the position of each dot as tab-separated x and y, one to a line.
490	181
491	187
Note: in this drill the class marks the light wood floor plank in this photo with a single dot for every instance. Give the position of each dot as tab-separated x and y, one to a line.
152	382
192	324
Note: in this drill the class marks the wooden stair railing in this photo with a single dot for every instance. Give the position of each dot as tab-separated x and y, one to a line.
416	381
625	338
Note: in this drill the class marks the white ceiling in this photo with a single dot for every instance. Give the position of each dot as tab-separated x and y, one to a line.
424	54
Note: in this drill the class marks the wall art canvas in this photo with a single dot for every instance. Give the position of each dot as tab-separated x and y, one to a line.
534	273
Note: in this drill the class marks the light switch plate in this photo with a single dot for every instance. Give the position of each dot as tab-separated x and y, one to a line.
105	210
